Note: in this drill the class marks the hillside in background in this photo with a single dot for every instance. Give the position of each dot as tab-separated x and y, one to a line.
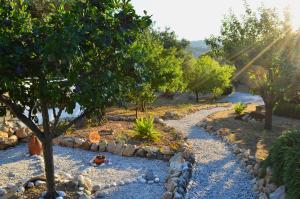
198	48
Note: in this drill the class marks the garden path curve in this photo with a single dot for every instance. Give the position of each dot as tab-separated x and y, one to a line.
217	173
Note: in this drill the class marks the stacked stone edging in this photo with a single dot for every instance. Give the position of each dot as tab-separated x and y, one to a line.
263	186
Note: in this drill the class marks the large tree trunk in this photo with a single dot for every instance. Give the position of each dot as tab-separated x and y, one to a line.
268	116
49	168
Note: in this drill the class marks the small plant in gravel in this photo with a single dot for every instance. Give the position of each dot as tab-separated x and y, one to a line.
144	128
284	158
239	108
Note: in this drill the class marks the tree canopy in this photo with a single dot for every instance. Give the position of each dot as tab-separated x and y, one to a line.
72	52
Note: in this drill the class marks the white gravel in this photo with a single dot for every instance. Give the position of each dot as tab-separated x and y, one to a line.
120	175
217	173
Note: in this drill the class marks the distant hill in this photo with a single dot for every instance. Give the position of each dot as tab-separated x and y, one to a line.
198	48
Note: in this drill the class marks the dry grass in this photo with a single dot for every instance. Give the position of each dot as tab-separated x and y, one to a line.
251	134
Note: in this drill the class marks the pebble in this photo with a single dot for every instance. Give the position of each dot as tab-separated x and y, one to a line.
39	182
2	192
156	180
30	184
61	193
11	175
81	188
142	180
150	182
10	185
59	197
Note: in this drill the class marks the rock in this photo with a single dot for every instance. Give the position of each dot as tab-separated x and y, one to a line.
3	192
142	180
150	181
102	145
268	171
78	142
111	146
13	140
11	175
95	147
177	196
59	197
169	115
168	195
61	193
120	148
247	153
84	196
39	182
175	166
279	193
129	150
3	134
149	175
140	152
67	142
171	185
30	184
96	188
84	182
261	183
86	145
166	150
156	180
23	133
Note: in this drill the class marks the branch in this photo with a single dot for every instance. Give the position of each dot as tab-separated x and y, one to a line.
56	119
27	121
59	132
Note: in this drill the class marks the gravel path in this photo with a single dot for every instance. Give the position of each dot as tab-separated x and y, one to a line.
243	97
217	173
124	170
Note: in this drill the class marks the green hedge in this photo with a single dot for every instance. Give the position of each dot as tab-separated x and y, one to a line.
288	110
284	159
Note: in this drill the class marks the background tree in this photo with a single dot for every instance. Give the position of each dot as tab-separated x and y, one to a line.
73	52
257	43
156	69
206	75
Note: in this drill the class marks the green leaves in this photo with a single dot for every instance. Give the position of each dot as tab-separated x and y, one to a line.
205	75
144	128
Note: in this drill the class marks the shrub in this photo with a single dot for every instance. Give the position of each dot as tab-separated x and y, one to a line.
144	128
288	110
284	158
239	108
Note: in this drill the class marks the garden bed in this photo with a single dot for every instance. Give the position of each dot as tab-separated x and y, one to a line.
249	134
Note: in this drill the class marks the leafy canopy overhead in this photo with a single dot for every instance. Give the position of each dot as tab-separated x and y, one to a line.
72	52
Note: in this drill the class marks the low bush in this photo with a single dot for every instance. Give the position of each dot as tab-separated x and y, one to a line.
144	128
284	159
239	108
288	110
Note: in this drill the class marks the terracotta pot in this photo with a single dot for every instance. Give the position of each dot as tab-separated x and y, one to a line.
35	146
100	159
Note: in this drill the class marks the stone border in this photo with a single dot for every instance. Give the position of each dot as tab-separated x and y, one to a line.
263	186
180	173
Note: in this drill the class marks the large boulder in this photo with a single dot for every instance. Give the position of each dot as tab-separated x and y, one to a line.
78	142
8	142
120	148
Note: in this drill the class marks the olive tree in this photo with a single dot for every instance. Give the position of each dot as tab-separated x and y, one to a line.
72	52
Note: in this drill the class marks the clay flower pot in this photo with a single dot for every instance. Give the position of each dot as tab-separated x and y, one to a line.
100	159
35	146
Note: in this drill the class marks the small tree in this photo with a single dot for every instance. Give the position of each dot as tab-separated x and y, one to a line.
156	69
208	76
72	52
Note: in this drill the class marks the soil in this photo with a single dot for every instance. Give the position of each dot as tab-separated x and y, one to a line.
251	135
122	130
35	192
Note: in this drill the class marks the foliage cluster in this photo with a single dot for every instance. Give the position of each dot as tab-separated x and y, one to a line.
239	108
284	158
206	75
144	128
286	109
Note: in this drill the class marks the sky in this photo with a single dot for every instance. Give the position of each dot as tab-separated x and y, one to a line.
198	19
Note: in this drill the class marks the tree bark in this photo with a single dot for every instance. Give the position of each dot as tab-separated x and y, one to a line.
143	106
49	168
268	116
197	96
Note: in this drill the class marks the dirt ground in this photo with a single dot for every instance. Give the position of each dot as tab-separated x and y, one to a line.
251	134
122	130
